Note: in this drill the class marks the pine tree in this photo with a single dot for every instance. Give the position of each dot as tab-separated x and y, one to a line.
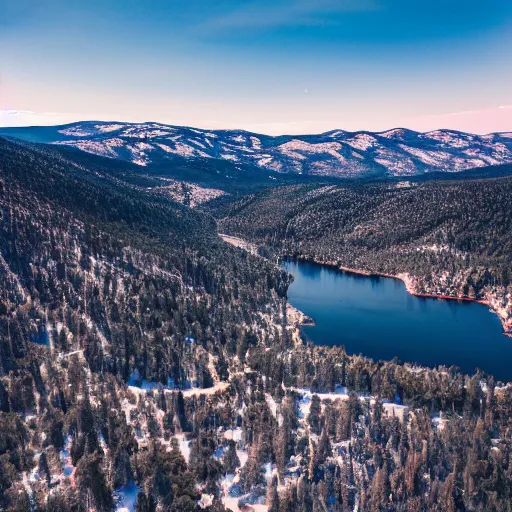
314	417
230	460
91	483
43	468
272	496
145	503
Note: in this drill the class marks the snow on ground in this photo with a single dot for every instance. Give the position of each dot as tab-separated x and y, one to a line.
205	501
439	422
264	162
479	154
428	157
395	410
362	141
500	149
404	184
229	156
77	131
243	456
29	491
138	386
395	133
219	387
445	150
182	149
33	476
235	434
396	166
269	472
232	504
453	139
184	446
105	147
181	191
198	143
127	497
304	406
340	393
65	457
225	483
127	408
238	242
271	404
102	442
107	128
292	148
69	354
256	143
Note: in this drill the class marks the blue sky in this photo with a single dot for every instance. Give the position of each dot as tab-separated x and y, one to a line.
269	66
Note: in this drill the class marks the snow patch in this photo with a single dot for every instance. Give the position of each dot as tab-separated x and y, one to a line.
126	497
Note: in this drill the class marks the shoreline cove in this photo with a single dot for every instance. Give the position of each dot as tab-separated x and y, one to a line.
298	317
408	281
504	314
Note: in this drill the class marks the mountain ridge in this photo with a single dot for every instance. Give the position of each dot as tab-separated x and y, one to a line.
335	153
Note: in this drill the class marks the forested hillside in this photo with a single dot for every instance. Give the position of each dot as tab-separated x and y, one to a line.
146	365
446	238
99	277
207	173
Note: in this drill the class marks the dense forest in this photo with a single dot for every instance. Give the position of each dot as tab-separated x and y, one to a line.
146	365
442	237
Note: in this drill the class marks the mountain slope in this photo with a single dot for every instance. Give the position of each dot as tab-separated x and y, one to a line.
101	284
145	365
97	249
397	152
444	238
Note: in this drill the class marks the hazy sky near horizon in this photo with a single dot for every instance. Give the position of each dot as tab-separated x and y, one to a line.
272	66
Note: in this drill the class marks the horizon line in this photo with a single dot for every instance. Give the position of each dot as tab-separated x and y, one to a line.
376	132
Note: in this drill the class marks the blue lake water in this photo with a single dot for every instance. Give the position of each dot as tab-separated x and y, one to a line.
376	317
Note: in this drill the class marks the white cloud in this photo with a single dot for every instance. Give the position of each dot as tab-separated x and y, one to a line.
292	12
12	118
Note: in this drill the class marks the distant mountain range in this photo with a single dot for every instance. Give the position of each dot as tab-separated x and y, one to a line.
396	152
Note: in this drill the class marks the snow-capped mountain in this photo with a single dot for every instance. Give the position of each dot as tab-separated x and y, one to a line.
397	152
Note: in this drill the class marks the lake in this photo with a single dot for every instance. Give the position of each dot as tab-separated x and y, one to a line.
376	317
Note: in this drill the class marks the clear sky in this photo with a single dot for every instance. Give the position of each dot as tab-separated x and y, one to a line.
272	66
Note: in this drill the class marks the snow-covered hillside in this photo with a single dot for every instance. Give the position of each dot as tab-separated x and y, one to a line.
397	152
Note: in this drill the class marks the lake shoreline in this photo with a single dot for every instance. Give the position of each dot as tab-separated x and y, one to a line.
408	281
379	319
502	313
298	317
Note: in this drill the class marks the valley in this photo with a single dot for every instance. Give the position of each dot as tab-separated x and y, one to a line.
433	236
148	364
